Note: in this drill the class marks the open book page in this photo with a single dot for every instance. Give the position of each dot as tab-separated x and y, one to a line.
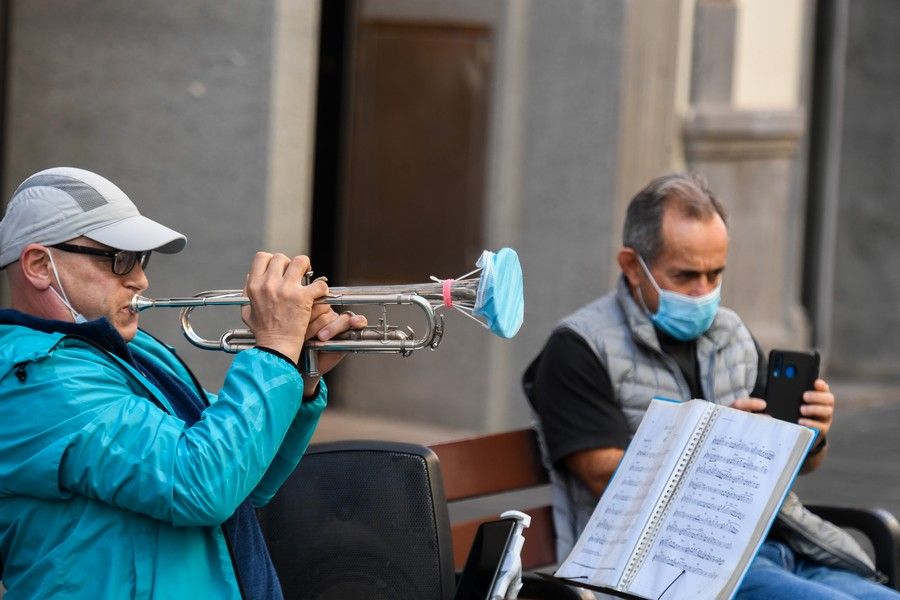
627	504
723	507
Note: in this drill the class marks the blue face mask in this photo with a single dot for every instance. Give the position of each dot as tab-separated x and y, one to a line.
683	317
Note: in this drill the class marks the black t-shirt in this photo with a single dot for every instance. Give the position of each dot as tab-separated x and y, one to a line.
571	392
685	355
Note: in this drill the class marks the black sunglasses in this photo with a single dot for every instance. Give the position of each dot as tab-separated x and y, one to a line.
123	261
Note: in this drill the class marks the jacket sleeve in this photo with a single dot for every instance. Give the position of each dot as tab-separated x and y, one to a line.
85	426
292	448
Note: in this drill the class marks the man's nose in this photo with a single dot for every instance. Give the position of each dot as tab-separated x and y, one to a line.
137	278
702	285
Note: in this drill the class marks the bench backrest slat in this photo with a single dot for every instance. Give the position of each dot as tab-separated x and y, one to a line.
490	464
494	464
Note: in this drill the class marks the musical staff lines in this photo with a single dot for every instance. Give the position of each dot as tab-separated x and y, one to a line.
700	535
709	521
680	563
601	539
761	451
692	550
722	509
743	497
728	475
618	511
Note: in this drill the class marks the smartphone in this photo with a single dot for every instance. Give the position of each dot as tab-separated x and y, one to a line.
485	558
790	374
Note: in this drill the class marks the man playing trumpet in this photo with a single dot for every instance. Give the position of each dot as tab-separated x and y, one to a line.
120	477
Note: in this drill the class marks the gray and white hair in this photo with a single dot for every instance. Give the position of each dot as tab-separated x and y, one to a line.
688	193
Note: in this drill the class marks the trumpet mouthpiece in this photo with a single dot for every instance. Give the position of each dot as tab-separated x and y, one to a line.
139	303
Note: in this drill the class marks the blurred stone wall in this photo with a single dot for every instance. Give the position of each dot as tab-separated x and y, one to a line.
866	276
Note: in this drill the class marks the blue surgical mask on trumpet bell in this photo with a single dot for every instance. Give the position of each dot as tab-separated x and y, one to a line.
61	294
681	316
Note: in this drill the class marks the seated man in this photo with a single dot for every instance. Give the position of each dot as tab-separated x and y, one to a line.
663	333
121	477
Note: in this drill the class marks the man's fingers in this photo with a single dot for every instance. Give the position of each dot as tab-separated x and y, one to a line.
820	385
819	398
342	323
278	266
318	288
319	321
266	274
320	309
816	411
749	404
259	264
296	268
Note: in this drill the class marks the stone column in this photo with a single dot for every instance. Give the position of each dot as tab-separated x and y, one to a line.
749	157
649	123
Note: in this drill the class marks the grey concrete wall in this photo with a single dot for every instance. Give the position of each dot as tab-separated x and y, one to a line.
169	100
750	161
570	159
866	315
552	180
755	162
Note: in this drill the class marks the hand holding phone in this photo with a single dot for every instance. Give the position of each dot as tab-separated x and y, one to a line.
790	374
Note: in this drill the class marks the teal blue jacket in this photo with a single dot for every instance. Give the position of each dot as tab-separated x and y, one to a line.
104	493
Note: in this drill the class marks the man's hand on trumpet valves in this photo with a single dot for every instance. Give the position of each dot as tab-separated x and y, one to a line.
324	325
280	307
283	312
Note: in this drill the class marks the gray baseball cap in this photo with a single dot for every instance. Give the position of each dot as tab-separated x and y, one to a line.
59	204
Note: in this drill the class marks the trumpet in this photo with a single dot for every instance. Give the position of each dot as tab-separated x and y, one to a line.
491	295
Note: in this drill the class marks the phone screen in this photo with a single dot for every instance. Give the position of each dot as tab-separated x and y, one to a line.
483	563
790	373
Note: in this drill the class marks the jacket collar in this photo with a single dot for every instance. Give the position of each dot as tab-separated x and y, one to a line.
99	331
638	322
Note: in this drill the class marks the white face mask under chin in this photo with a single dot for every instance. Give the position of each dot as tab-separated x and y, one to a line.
61	294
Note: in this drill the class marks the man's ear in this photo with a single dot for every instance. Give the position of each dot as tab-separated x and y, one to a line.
631	268
34	263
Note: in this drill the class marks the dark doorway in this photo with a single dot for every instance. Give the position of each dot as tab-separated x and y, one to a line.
329	133
415	167
401	146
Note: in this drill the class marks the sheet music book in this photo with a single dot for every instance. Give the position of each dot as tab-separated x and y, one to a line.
690	504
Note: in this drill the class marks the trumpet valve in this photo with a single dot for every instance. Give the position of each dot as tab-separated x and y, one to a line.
376	333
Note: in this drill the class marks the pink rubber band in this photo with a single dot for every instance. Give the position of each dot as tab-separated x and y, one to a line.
447	288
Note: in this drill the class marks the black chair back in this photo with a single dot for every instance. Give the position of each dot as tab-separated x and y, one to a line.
362	519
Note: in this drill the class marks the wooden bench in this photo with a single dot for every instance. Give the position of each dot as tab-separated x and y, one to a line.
494	464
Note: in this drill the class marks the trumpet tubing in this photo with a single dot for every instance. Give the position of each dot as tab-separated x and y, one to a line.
381	338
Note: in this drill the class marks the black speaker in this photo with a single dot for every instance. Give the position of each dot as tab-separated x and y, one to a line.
362	520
